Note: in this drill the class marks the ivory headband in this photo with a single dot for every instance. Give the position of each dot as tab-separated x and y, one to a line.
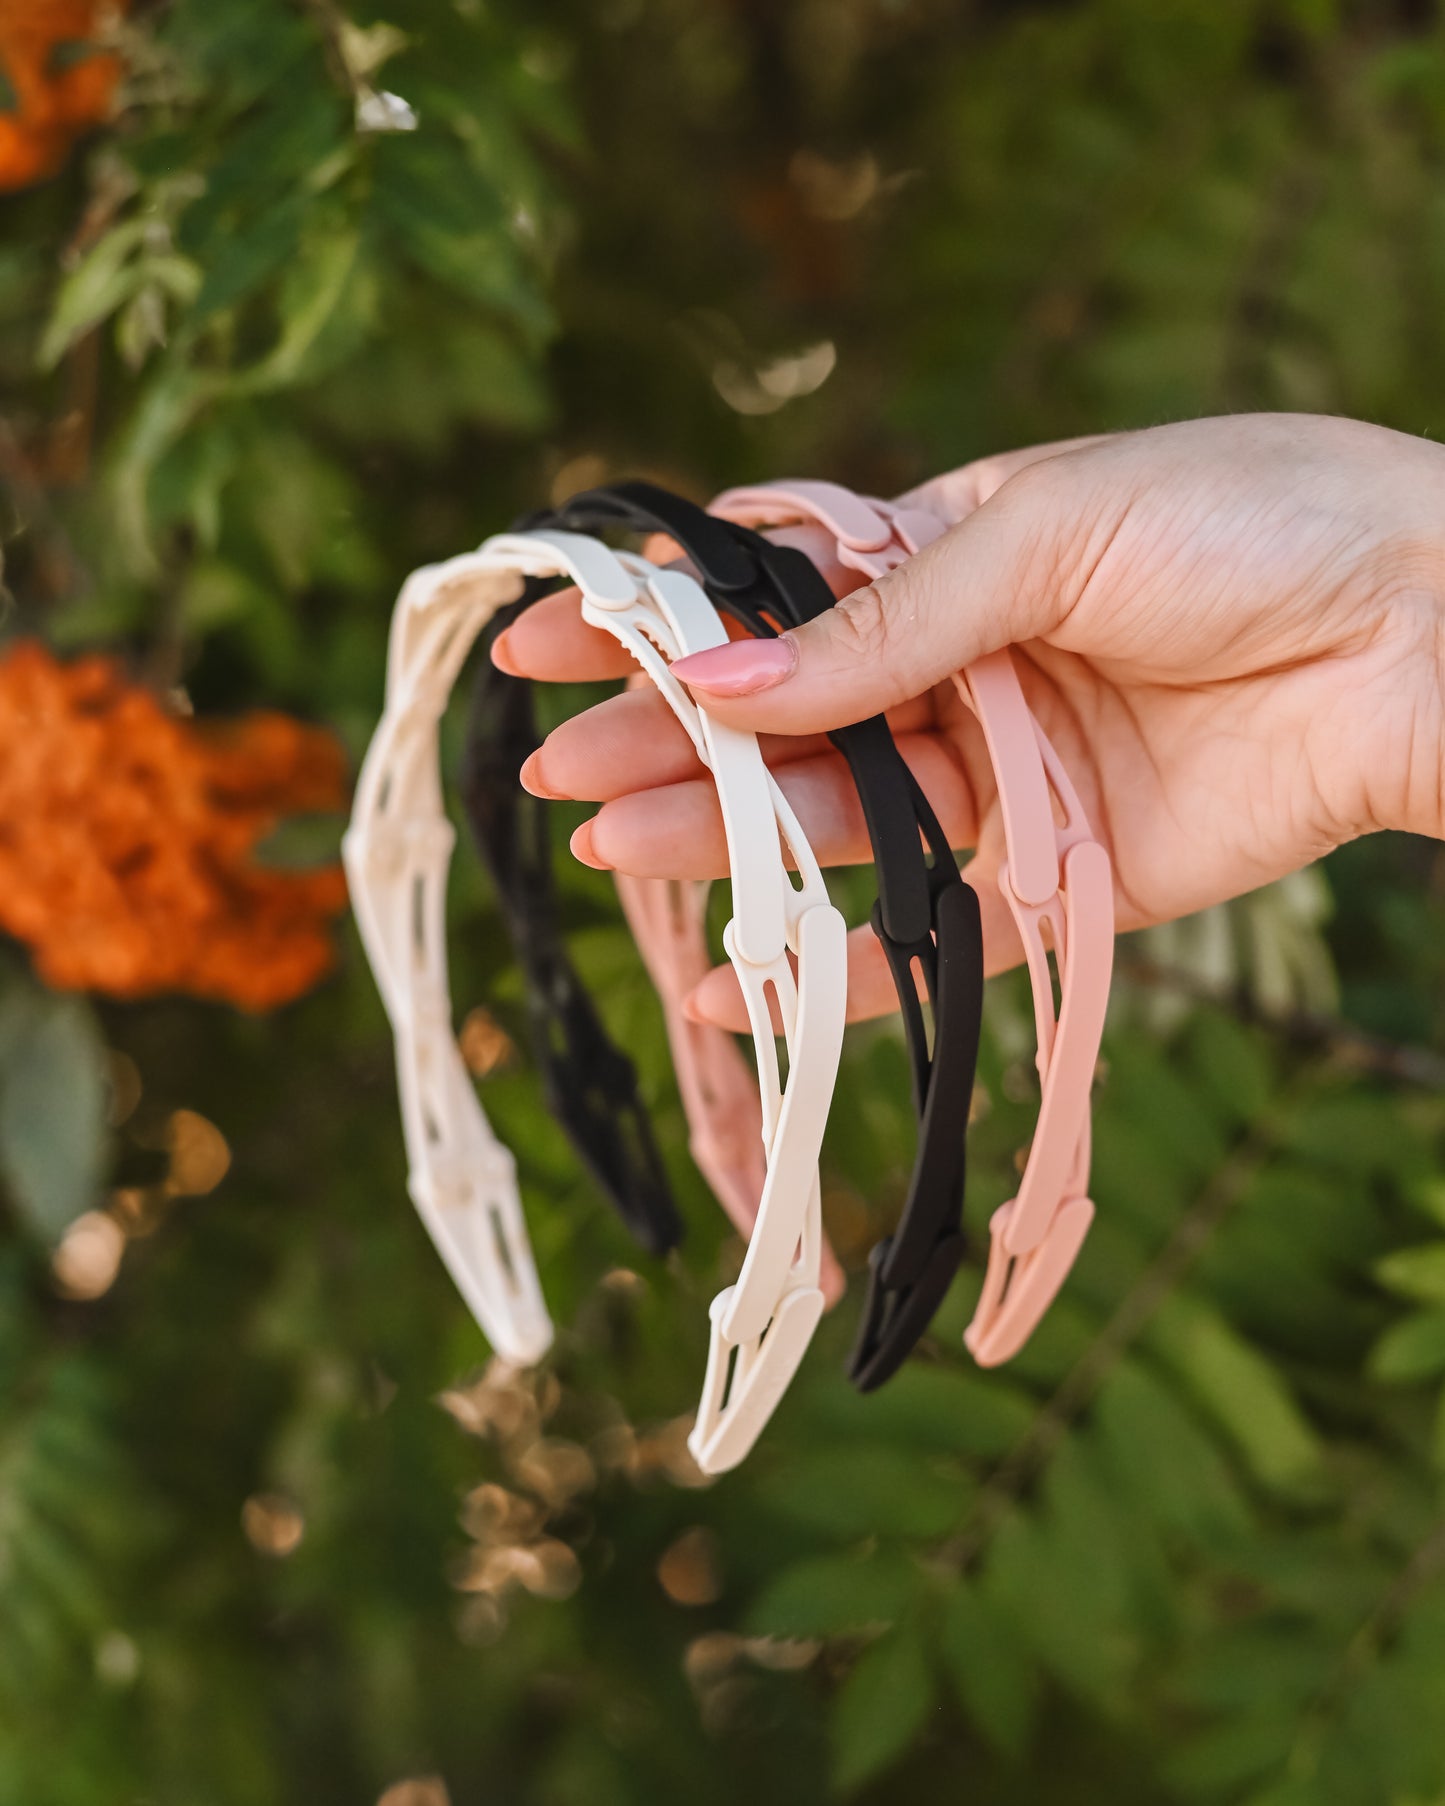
591	1083
925	917
1058	885
397	852
719	1094
762	1324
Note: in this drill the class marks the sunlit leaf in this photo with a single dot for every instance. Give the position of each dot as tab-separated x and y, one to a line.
1242	1391
1415	1272
1412	1349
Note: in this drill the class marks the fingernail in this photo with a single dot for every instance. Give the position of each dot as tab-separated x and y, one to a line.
501	658
741	668
531	779
581	844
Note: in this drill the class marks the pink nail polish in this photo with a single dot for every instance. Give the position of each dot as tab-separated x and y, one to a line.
581	845
531	780
741	668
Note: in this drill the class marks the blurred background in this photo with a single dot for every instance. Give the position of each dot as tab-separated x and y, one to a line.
295	295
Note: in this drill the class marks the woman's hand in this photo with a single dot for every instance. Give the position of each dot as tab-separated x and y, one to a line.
1230	629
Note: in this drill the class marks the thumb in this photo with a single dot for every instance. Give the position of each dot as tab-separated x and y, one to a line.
992	580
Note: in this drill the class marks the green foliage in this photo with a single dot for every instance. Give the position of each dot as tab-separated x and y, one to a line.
52	1105
262	359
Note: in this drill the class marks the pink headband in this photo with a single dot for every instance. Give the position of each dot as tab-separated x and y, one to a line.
1058	884
719	1092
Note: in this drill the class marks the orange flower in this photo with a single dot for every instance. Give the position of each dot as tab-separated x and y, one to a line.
127	837
58	89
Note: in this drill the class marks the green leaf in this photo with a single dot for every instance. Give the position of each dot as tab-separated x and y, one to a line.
1062	1616
1233	1063
436	368
881	1707
52	1106
827	1595
455	230
1412	1349
1287	1793
169	402
949	1409
1243	1393
1286	1665
1415	1272
991	1674
866	1490
245	258
104	279
1161	1456
1237	1751
1427	1195
310	300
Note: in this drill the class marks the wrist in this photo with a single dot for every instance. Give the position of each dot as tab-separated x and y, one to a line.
1401	781
1383	738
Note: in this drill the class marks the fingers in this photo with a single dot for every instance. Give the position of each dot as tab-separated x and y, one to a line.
634	742
676	831
871	993
958	492
1002	575
551	642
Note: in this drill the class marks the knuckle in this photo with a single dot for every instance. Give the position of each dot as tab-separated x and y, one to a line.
863	628
981	480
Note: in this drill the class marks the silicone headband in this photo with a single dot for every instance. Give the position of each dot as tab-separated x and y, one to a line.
762	1324
668	919
1059	886
1057	881
925	916
590	1083
397	851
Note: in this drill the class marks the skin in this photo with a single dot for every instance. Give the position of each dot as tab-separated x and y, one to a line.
1231	630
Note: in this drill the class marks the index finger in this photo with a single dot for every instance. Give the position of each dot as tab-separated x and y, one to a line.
551	643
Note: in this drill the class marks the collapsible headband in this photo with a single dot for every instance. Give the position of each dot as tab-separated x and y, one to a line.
1058	884
590	1083
926	918
762	1324
397	851
668	918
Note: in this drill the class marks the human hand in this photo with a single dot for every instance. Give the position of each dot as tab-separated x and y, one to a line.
1230	630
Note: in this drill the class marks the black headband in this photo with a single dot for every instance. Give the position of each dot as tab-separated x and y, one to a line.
591	1085
925	914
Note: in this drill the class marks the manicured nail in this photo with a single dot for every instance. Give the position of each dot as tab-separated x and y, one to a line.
531	779
741	668
581	844
501	658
